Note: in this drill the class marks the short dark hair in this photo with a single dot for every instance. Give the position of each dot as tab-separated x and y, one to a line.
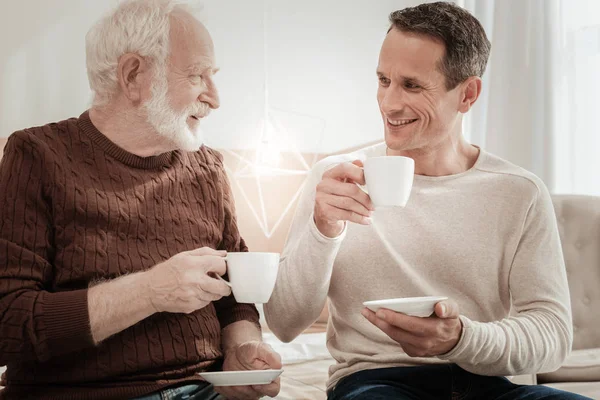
467	46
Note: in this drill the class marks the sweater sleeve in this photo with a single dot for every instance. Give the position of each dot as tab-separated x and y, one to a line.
35	323
305	268
228	310
539	337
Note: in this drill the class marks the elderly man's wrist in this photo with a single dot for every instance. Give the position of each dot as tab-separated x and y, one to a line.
144	291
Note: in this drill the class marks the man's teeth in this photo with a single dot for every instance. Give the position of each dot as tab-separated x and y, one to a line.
400	122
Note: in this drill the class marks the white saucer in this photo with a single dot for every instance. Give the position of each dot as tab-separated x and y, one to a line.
241	378
414	306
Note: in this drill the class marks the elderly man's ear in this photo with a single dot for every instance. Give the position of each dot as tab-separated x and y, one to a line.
133	73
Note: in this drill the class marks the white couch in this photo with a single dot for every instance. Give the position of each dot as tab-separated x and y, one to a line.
579	227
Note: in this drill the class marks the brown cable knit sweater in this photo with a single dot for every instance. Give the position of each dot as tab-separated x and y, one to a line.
74	209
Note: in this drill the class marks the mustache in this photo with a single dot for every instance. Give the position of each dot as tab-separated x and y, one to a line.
200	110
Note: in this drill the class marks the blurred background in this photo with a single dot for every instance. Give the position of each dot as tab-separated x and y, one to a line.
298	82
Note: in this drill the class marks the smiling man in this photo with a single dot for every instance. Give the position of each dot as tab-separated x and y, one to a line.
476	229
113	224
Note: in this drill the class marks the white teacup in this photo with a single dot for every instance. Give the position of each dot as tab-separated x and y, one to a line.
252	276
389	180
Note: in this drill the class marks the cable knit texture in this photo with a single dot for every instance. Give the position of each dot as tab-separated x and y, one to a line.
75	209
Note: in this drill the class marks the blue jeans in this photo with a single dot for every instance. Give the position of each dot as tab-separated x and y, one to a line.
190	391
437	382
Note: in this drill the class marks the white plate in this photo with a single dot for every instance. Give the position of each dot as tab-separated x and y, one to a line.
241	378
414	306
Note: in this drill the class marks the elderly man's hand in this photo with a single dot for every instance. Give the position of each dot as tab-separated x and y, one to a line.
251	355
183	283
421	337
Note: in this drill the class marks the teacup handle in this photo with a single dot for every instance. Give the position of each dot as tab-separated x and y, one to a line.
217	276
361	187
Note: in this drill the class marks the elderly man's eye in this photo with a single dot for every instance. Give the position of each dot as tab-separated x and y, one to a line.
384	81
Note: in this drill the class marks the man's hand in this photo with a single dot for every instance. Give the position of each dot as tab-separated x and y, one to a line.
251	355
421	337
179	285
183	284
339	199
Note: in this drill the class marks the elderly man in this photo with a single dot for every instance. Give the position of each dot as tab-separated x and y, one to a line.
113	224
476	229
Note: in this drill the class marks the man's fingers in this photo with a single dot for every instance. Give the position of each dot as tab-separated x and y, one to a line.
238	392
415	325
372	317
271	390
208	297
447	309
393	332
351	190
348	204
216	264
419	337
207	251
358	163
336	214
201	265
215	286
269	356
346	172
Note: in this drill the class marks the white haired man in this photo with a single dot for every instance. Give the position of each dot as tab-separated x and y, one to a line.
111	225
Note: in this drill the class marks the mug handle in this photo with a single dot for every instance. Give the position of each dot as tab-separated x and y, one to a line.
217	276
361	187
222	280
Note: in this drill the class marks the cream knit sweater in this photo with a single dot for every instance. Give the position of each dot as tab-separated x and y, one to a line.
487	238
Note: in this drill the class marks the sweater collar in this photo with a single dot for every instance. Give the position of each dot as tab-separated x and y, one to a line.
119	154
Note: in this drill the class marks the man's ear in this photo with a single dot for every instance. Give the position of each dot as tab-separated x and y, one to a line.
469	93
129	74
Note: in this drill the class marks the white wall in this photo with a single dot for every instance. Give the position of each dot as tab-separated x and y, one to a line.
321	65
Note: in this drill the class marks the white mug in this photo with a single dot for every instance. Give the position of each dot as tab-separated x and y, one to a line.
389	180
252	275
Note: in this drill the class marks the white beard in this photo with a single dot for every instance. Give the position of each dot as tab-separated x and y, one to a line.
167	122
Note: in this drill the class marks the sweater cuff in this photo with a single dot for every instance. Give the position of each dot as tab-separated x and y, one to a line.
66	321
239	312
316	233
464	343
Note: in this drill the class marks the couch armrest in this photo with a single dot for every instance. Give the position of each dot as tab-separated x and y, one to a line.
581	366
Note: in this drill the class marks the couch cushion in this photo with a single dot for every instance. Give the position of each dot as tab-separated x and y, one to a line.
306	347
579	227
580	366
